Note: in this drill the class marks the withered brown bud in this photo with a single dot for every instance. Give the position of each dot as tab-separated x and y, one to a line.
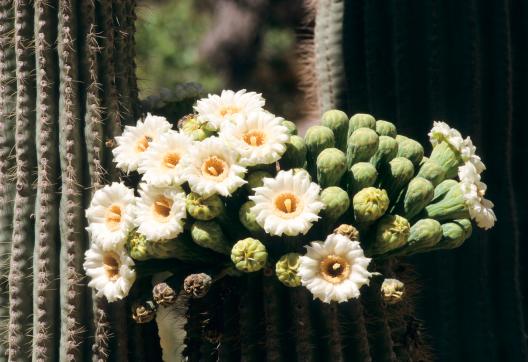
392	291
197	285
163	294
347	230
143	311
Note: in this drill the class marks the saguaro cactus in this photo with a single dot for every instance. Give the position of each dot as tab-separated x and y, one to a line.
62	97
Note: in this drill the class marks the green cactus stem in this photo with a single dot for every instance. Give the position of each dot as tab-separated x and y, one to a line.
7	156
20	286
337	121
45	261
274	317
303	326
331	166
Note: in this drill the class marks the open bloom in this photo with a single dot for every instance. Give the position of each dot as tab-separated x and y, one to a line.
480	208
160	164
136	140
334	270
442	132
259	137
160	212
110	270
110	214
287	204
212	168
217	109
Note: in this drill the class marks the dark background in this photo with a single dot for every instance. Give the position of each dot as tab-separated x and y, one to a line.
410	62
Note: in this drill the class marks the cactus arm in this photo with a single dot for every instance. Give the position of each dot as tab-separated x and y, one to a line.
330	331
20	286
171	321
7	157
250	313
354	332
273	318
45	260
71	206
229	347
120	43
329	54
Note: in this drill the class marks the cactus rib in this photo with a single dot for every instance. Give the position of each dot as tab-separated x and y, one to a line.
23	222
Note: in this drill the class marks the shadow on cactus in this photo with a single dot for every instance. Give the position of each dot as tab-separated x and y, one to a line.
242	238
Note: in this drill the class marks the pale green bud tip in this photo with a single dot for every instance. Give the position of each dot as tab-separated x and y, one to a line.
392	291
425	233
247	218
336	202
362	145
137	245
197	130
249	255
255	179
411	150
392	232
347	230
384	128
292	128
295	155
370	204
286	270
334	116
163	294
359	120
318	138
331	165
202	208
143	311
197	285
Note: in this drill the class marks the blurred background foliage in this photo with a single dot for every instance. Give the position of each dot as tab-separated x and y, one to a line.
222	44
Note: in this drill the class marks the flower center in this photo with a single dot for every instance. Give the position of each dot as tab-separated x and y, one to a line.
111	265
287	204
228	110
254	138
334	269
162	208
171	159
143	143
113	217
215	168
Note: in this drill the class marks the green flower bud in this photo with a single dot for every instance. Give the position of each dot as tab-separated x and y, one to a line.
432	172
419	193
448	158
331	166
400	138
384	128
208	234
454	234
137	246
336	203
360	120
396	175
317	138
392	291
451	206
387	150
361	175
198	131
202	208
370	204
337	121
249	255
292	128
286	270
347	230
411	150
392	233
295	154
254	179
362	145
425	234
248	219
